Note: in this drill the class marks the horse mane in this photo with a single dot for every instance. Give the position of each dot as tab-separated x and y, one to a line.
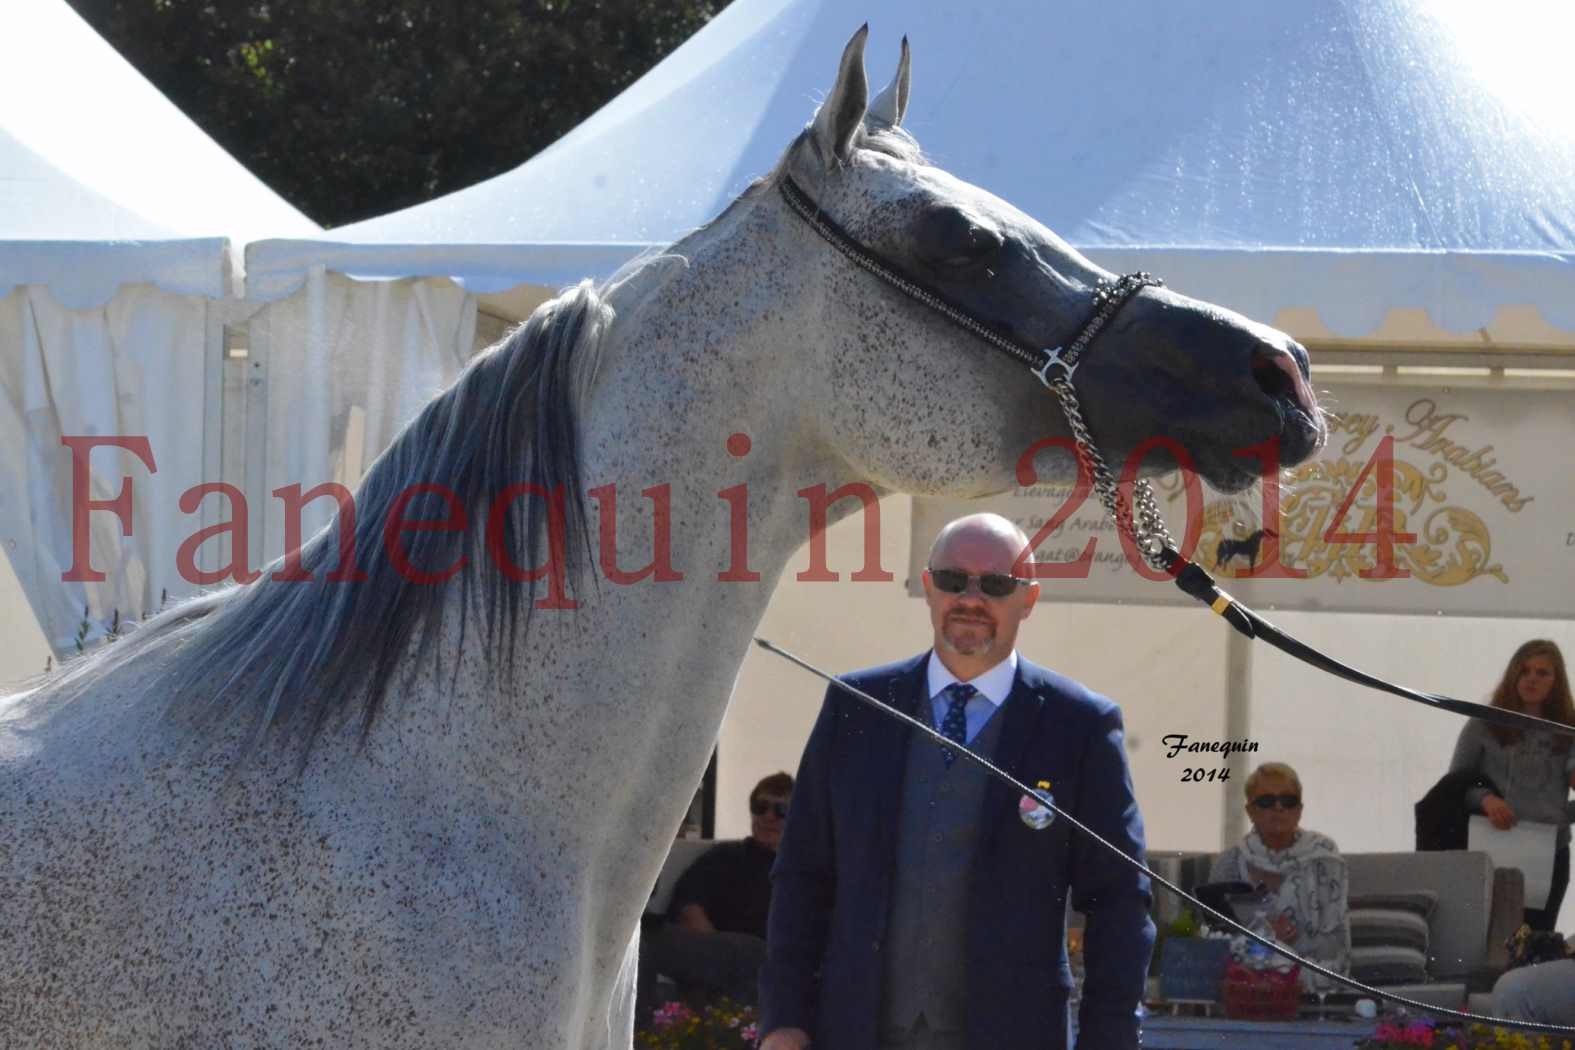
303	656
307	654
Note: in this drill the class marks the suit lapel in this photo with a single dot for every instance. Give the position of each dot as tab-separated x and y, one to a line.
904	690
1022	711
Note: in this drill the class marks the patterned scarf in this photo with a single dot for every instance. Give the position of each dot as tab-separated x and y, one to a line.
1312	890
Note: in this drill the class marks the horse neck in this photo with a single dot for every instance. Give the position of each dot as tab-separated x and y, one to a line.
693	356
703	350
700	352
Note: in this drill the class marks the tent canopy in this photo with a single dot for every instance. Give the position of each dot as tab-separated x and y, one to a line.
1351	156
104	180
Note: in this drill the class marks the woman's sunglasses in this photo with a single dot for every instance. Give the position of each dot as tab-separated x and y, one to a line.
991	584
760	807
1286	801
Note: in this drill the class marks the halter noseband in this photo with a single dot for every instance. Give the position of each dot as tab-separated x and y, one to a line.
1053	367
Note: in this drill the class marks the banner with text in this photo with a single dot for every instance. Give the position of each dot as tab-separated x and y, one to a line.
1425	500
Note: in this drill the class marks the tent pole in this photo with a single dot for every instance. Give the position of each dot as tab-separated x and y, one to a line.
1238	709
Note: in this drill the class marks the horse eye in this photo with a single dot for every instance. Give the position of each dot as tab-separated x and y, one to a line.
950	239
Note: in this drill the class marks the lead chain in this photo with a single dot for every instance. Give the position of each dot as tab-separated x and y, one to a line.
1148	531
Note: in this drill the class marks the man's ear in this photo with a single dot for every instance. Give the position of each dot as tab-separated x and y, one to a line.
840	116
891	105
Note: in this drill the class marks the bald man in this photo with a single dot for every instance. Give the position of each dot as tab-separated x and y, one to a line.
911	907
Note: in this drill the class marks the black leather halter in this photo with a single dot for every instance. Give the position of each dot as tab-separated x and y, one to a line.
1048	365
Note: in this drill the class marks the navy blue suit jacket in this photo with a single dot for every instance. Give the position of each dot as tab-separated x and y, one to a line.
832	880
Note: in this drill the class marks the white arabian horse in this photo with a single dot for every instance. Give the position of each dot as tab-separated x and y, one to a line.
421	802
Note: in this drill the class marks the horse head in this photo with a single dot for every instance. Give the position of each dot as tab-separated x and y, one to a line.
962	415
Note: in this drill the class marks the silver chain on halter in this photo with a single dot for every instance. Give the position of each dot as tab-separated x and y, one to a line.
1147	528
1053	367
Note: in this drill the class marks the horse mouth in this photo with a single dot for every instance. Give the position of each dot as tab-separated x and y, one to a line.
1296	432
1282	376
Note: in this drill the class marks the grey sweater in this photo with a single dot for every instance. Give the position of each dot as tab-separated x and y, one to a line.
1533	777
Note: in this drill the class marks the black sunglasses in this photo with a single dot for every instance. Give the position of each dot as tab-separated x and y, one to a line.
1285	801
991	584
760	807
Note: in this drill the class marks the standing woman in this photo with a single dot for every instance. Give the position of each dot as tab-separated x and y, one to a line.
1535	771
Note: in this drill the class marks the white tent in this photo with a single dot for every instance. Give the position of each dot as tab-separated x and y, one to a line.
1342	157
116	218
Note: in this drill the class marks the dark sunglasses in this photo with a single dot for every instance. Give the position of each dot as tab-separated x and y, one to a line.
1286	801
760	807
991	584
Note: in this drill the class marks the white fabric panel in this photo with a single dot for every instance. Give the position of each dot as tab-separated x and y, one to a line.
348	365
1405	154
133	368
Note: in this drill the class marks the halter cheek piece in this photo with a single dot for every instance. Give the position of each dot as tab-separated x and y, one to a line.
1055	369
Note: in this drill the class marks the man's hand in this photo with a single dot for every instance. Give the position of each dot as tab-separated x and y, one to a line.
786	1039
1498	811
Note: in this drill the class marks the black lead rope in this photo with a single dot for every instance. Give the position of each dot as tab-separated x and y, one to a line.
1224	920
1193	580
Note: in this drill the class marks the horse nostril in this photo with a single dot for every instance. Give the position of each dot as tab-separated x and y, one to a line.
1278	376
1270	375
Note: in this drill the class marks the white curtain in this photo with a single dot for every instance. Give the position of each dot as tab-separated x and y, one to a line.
134	367
348	363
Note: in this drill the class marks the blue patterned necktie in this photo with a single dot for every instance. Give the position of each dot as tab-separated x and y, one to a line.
955	725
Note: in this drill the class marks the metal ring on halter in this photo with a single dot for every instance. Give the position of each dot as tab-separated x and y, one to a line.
1053	359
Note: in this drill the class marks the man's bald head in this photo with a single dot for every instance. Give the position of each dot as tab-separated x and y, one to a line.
977	528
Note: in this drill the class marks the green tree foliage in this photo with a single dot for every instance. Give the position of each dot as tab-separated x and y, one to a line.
354	108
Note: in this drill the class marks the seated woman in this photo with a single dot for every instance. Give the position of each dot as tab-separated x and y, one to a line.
1301	873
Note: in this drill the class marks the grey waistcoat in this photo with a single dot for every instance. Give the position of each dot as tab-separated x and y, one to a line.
924	968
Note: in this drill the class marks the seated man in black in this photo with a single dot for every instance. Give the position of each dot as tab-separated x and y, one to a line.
714	939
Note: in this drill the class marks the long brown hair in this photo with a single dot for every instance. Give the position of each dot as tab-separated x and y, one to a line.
1559	706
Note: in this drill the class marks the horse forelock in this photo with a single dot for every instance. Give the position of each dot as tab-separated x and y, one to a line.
893	142
303	655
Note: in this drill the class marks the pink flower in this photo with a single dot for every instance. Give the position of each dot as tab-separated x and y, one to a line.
669	1014
750	1033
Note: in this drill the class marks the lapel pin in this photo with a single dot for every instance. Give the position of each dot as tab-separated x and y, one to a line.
1032	809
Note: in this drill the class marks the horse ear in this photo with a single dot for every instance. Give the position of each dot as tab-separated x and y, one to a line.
891	105
842	113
